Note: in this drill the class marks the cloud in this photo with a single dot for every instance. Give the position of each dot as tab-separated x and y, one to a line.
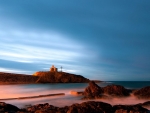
12	70
34	47
43	49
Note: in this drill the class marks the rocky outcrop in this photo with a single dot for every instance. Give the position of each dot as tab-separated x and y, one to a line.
12	78
116	90
41	108
85	107
93	91
146	104
8	108
90	107
41	77
59	77
129	109
143	93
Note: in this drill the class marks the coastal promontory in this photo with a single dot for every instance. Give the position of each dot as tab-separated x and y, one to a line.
51	76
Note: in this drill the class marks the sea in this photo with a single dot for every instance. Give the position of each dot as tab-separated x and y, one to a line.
24	90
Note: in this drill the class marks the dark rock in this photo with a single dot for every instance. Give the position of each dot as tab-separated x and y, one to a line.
146	104
93	91
8	108
90	107
143	93
85	107
12	78
41	108
116	90
129	109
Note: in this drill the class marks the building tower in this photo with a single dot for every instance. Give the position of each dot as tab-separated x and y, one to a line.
53	69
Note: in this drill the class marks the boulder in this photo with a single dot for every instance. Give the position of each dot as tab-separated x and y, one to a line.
93	91
143	93
85	107
41	108
90	107
147	103
116	90
129	109
4	107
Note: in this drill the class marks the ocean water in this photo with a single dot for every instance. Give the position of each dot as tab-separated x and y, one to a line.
22	90
131	84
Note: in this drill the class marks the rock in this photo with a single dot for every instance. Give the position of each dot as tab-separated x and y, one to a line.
116	90
59	77
129	109
146	104
85	107
90	107
8	108
143	93
93	91
41	108
12	78
76	93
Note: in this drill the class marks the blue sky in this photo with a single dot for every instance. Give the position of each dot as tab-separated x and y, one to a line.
101	39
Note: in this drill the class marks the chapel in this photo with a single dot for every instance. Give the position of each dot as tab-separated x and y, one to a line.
53	69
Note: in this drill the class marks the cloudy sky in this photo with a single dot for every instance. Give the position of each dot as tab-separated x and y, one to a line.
100	39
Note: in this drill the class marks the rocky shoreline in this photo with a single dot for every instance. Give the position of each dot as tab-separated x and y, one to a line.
85	107
93	91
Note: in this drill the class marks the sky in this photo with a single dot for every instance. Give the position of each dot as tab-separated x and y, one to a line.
101	39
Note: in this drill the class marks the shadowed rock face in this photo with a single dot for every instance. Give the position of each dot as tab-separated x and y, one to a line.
88	107
12	78
7	108
92	91
143	93
85	107
59	77
116	90
129	109
146	104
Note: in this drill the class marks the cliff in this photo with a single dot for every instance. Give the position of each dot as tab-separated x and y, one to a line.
41	77
12	78
59	77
